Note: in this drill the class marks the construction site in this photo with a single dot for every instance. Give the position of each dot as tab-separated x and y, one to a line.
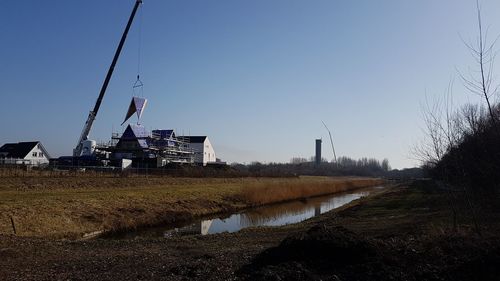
136	146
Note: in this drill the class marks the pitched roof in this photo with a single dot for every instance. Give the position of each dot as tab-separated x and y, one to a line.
195	139
18	150
134	132
137	133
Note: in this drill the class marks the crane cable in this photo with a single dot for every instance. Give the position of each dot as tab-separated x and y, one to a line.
138	85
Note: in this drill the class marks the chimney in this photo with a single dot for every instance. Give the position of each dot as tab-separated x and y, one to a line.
318	151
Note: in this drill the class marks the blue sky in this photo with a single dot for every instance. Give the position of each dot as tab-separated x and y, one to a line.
257	77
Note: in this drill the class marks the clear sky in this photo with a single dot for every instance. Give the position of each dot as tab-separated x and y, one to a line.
257	77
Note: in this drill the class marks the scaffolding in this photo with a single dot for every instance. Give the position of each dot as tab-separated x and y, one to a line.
171	148
161	146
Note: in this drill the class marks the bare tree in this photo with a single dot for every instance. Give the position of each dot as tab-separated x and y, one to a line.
298	160
459	144
445	128
481	81
473	119
385	165
441	130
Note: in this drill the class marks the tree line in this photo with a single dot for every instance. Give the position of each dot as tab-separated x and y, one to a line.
344	166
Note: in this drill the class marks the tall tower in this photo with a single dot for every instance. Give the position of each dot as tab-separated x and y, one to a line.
318	151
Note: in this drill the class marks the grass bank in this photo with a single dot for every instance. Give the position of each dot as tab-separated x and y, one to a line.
68	207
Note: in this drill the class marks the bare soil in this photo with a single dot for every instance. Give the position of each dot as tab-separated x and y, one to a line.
404	233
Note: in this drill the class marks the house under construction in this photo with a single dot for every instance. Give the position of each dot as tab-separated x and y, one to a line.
136	143
151	149
136	146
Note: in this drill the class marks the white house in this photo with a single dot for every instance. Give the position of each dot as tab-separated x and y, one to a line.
28	153
204	152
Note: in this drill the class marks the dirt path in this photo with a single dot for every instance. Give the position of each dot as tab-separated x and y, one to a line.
402	234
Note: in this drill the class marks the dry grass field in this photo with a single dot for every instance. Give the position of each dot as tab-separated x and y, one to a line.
402	232
68	207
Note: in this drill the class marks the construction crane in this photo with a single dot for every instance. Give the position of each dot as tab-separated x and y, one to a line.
92	114
331	141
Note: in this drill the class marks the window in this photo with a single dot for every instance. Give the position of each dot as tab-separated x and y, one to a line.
40	154
34	154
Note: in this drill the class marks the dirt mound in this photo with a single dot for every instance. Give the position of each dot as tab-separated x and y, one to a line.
334	253
319	243
484	266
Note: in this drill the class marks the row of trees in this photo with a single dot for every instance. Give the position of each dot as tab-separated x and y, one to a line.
349	162
344	166
461	145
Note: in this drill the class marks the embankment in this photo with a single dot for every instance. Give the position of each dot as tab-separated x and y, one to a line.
68	207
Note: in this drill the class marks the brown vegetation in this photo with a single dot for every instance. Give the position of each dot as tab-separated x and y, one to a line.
404	233
263	192
71	206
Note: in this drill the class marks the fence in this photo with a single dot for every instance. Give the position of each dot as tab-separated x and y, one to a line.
14	161
26	170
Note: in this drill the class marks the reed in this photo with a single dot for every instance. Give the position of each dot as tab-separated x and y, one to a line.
265	192
72	206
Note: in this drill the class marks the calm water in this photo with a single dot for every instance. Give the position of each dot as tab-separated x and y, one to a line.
272	215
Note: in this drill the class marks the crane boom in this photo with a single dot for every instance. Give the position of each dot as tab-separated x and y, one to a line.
92	114
331	141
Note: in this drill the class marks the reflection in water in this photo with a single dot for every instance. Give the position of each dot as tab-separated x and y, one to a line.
201	227
272	215
296	211
317	210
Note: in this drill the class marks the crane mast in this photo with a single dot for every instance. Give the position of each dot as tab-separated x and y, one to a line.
92	114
